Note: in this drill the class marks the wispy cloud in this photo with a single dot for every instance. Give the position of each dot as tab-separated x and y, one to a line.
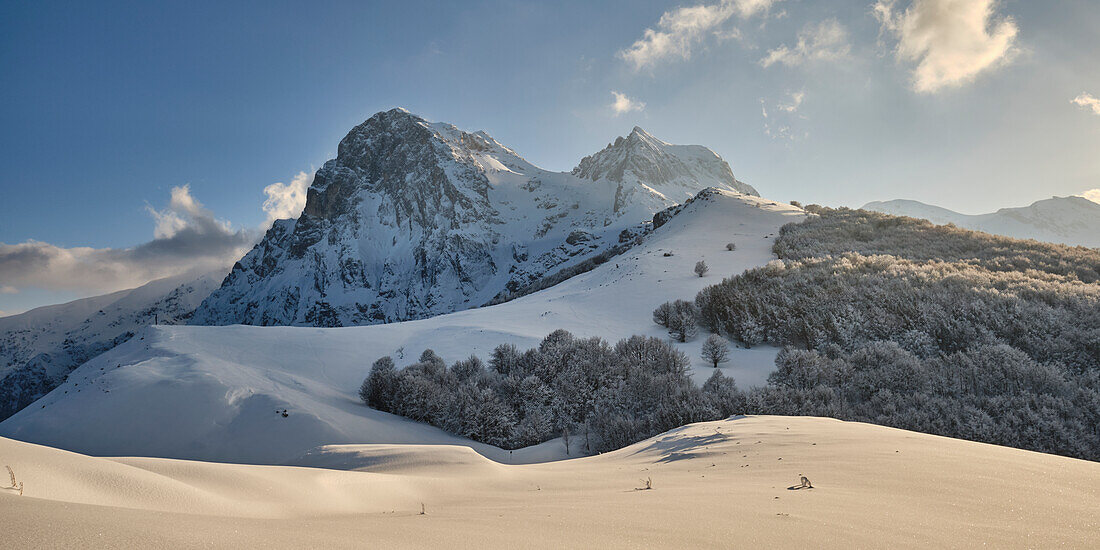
794	103
1092	195
1088	101
783	121
286	200
623	104
8	289
187	236
951	41
824	41
680	31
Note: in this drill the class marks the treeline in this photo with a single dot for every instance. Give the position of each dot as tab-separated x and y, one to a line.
597	396
930	328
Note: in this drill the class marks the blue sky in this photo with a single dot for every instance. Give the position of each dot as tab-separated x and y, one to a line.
106	107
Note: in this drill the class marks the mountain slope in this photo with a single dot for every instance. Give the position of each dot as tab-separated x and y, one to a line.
1064	220
414	219
211	393
40	347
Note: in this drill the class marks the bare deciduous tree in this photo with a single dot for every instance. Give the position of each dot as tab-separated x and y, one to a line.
715	350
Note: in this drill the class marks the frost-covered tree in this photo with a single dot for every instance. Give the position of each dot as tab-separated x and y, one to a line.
468	370
663	314
701	268
681	318
378	389
715	350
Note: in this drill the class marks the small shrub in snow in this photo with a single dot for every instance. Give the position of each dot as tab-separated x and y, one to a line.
14	484
701	268
731	247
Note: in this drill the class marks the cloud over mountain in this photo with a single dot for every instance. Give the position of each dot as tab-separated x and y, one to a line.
624	104
187	236
286	200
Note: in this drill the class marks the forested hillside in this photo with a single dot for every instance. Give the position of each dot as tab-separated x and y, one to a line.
882	319
932	328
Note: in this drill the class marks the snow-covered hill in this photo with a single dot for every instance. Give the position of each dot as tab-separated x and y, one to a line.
1064	220
212	392
40	347
414	219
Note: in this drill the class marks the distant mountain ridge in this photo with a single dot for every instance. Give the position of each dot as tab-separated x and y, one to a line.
414	219
40	347
1064	220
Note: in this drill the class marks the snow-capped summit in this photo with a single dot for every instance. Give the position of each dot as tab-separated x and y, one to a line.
414	219
1065	220
645	166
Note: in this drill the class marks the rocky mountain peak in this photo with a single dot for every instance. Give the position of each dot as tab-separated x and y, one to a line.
675	171
416	218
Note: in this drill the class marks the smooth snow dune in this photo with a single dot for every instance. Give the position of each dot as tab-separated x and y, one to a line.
216	393
714	485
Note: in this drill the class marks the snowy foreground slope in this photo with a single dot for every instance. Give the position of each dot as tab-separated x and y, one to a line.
714	485
40	347
211	393
1063	220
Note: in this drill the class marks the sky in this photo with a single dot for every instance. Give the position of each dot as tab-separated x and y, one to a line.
139	140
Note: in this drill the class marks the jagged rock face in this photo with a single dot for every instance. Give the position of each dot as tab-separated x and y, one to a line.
39	348
414	219
669	172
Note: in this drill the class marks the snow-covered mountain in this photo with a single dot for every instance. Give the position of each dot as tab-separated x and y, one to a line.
649	170
40	347
211	393
414	219
1065	220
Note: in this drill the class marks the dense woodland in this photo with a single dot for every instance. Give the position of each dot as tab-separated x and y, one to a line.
599	397
882	319
900	322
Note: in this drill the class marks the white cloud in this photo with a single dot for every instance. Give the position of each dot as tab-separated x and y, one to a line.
825	41
679	31
287	200
1092	195
794	103
7	289
1088	101
951	41
187	237
623	104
